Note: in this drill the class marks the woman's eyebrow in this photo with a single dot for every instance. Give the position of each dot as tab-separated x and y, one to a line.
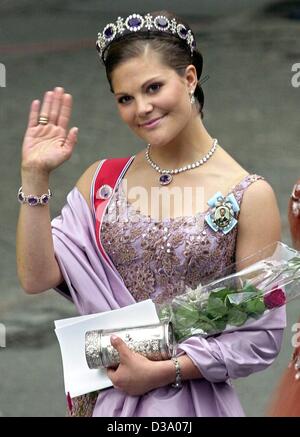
144	84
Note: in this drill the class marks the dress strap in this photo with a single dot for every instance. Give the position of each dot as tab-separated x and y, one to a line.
106	178
239	189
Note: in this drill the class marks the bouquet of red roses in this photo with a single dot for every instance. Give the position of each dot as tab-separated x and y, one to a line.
270	279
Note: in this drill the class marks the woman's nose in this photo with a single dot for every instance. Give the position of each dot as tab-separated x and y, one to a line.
144	107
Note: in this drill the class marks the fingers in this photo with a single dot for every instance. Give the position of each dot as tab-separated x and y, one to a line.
113	376
56	104
46	105
71	139
121	347
116	342
65	111
34	113
110	372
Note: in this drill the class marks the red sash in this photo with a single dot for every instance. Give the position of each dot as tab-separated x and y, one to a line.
106	178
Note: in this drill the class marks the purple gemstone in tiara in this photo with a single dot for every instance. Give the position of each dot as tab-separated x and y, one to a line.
134	22
109	32
161	22
182	31
137	22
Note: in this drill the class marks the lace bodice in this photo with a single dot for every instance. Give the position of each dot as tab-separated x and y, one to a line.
158	259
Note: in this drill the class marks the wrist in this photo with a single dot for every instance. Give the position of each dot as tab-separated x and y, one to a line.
178	375
31	171
164	374
32	199
34	180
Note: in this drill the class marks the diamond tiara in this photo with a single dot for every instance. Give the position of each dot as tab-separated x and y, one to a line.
135	23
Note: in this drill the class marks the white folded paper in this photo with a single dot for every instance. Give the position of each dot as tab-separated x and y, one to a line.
78	377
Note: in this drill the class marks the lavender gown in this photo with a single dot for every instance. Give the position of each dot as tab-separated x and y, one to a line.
156	260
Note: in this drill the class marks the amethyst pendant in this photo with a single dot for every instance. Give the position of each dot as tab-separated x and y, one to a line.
165	179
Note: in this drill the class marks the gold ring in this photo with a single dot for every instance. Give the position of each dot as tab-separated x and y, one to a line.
43	119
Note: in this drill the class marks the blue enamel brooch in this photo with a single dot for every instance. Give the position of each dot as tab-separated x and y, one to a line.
222	215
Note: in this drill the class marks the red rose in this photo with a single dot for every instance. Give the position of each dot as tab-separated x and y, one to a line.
275	298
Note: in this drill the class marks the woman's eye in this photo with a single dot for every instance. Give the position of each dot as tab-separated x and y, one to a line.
154	86
124	99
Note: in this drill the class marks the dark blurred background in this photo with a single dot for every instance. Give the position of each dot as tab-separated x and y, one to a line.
251	106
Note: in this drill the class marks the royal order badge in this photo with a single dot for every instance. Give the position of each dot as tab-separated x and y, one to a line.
222	216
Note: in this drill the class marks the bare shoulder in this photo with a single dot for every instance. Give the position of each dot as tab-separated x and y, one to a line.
259	194
84	182
259	223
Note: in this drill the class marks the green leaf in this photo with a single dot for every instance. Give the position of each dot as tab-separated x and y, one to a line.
255	307
250	288
221	293
202	326
216	307
165	313
203	317
208	326
236	317
240	297
186	316
180	334
220	324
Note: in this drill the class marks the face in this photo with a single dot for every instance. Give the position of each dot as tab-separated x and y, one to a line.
153	100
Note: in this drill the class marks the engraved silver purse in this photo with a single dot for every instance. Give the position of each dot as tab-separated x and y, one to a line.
156	342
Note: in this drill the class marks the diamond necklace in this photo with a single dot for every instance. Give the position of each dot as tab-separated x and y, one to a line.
166	175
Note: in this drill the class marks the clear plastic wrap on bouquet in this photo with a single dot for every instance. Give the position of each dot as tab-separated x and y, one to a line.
262	282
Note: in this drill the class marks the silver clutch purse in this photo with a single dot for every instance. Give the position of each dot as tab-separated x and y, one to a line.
156	342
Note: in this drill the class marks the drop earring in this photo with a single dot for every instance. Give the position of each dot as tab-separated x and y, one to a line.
192	99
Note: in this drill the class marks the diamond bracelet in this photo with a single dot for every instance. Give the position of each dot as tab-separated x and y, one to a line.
34	200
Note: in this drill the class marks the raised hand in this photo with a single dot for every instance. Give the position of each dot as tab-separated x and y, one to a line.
45	147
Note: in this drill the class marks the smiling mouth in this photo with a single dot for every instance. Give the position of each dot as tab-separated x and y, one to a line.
152	122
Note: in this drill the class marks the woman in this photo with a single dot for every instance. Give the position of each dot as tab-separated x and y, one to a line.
287	398
105	251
